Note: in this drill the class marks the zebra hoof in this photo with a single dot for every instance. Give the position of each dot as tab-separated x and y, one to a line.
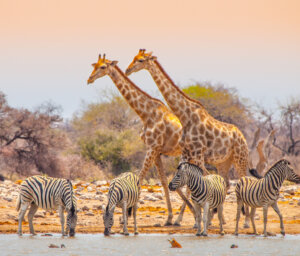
176	224
203	234
136	233
236	233
222	233
126	234
198	234
282	233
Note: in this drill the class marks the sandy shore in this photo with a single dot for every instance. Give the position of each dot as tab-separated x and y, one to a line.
151	215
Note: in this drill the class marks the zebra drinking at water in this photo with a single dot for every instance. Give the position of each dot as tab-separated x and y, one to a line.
208	192
123	192
263	192
47	193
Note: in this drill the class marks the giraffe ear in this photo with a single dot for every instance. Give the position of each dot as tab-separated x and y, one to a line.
114	63
94	64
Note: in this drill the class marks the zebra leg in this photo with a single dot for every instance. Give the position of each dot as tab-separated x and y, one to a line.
30	215
134	216
247	218
124	210
252	214
276	209
220	216
22	212
265	211
62	219
164	182
197	208
205	218
238	215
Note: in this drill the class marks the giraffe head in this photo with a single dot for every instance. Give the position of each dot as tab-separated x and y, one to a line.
139	62
101	68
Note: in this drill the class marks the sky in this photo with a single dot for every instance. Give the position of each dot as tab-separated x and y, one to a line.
47	47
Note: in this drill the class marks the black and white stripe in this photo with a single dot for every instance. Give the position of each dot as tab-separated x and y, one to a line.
124	193
47	193
263	192
208	192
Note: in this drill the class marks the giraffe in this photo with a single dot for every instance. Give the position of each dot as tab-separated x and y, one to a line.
162	129
204	139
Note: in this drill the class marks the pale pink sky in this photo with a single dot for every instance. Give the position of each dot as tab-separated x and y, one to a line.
47	46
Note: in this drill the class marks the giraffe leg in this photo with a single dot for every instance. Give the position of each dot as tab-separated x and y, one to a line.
164	182
32	211
134	216
186	203
151	155
241	163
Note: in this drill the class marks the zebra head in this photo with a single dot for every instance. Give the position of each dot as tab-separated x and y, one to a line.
108	219
180	178
290	174
70	202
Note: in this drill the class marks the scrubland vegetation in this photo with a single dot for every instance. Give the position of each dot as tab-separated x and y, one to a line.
102	138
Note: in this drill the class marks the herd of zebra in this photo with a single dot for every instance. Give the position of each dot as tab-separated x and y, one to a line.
207	192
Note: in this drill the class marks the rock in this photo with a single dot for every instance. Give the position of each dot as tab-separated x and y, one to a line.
141	202
150	198
99	192
148	216
233	246
89	189
256	217
298	203
39	216
89	214
290	190
162	211
85	208
158	196
62	246
7	199
157	225
53	246
100	183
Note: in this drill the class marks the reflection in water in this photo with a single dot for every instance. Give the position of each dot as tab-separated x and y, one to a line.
97	244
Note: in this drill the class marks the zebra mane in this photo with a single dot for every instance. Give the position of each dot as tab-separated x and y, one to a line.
276	164
191	165
109	199
71	195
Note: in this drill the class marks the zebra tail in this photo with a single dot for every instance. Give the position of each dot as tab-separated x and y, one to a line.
18	203
129	211
243	210
255	174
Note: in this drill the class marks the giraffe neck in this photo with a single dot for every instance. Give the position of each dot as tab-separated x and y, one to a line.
182	105
135	97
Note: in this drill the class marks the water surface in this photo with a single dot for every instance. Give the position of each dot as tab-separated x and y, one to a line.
152	244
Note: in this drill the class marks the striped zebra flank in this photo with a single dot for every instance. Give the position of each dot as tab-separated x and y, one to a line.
264	192
49	194
207	192
124	192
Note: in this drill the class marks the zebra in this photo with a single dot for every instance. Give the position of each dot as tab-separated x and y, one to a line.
263	192
124	192
208	192
47	193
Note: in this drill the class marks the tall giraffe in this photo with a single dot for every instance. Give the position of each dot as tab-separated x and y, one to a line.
204	139
162	129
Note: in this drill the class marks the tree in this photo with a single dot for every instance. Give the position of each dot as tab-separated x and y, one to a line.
287	126
30	139
222	103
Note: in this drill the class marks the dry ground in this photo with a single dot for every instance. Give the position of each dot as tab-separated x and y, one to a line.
151	215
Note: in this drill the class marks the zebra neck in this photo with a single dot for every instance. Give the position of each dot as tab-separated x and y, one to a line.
195	181
274	178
